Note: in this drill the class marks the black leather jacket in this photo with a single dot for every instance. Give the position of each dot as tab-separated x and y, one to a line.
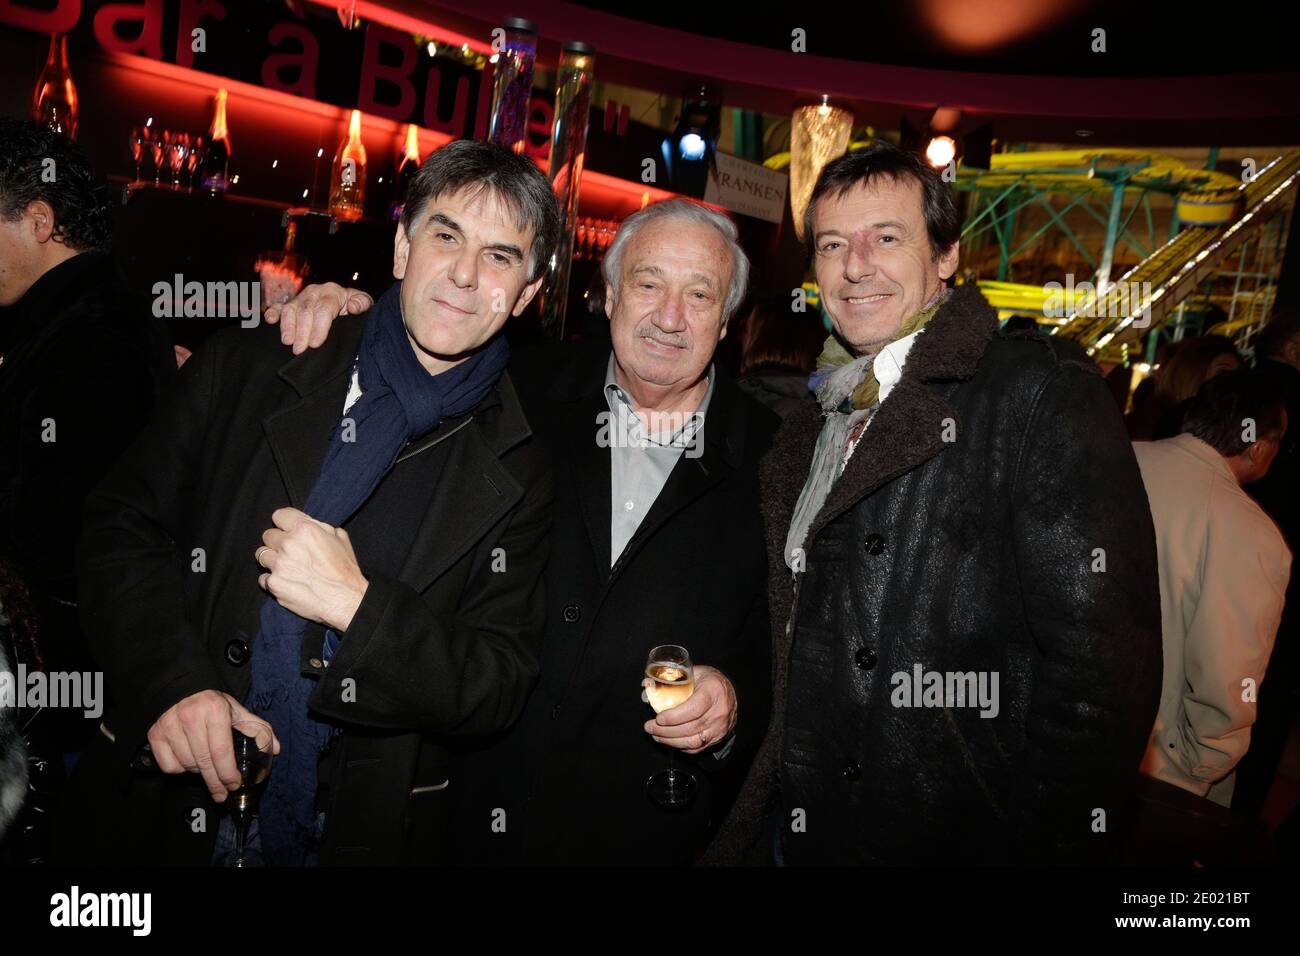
992	522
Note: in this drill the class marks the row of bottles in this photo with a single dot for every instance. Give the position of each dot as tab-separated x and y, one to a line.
54	105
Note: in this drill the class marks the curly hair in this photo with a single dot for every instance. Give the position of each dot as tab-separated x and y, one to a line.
80	198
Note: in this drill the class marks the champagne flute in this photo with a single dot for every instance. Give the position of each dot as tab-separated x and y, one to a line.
670	681
178	150
138	142
253	743
157	149
192	160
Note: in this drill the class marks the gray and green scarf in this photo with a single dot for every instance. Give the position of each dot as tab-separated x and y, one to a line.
847	391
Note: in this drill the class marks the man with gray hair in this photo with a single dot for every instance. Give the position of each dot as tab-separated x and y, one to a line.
657	540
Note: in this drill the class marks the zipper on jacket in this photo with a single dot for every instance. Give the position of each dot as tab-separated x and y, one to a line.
438	440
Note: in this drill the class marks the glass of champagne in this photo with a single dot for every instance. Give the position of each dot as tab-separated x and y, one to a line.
157	151
192	160
253	743
138	141
180	151
670	681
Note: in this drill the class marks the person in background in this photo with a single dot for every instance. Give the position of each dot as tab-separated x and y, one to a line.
1189	365
1223	577
1277	355
1139	422
83	364
779	349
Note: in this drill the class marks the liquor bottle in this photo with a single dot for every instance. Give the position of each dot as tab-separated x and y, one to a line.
214	170
54	104
348	176
406	171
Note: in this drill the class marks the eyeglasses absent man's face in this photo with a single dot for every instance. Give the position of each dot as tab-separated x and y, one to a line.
666	316
464	271
873	259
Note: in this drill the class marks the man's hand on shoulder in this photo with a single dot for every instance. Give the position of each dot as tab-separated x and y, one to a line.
305	320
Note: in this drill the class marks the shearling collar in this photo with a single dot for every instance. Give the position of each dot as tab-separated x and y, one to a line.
950	346
907	430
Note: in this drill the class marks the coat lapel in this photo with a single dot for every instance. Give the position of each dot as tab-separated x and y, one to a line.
580	394
691	478
908	428
590	475
474	491
299	435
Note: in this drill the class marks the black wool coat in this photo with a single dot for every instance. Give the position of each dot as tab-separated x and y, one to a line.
443	648
85	356
567	784
991	520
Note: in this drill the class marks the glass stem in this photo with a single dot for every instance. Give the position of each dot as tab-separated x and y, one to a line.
242	819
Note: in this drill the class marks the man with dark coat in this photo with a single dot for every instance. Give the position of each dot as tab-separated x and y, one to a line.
658	540
965	604
347	545
81	364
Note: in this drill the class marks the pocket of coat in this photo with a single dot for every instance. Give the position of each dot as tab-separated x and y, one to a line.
426	823
431	788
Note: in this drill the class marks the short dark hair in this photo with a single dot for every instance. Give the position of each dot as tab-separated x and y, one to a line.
1218	413
882	158
515	180
1281	329
80	198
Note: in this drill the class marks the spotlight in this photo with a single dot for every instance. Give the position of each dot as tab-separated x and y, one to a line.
941	151
688	152
692	146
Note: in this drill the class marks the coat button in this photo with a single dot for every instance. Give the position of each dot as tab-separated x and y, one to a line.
555	712
851	771
237	652
316	663
874	543
865	658
571	613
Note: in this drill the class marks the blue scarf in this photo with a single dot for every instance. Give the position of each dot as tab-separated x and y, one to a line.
400	401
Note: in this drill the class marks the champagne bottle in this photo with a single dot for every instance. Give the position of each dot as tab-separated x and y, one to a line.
406	171
348	176
54	104
214	171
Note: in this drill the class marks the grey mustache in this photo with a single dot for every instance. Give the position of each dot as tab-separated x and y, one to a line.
653	333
